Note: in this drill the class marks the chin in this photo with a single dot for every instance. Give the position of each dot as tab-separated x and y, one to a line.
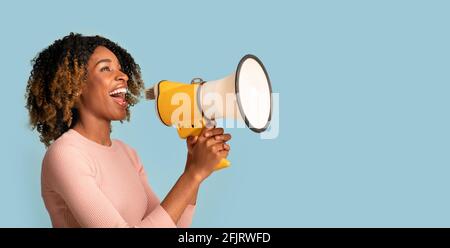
119	117
122	118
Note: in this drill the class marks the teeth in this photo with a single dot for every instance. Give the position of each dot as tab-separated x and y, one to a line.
117	91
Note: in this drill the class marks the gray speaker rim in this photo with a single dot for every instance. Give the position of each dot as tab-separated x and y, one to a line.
238	97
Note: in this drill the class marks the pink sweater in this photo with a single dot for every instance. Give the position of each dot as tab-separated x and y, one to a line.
85	184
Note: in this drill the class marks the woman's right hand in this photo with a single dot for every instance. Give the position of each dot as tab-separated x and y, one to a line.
205	152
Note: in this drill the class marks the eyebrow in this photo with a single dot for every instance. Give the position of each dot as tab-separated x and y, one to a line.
103	60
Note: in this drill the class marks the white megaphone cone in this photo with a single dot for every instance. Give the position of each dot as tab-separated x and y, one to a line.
244	95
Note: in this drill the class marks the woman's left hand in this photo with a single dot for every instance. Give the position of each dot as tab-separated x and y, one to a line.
192	140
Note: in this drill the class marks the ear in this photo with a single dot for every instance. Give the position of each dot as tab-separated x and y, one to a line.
78	95
78	99
77	104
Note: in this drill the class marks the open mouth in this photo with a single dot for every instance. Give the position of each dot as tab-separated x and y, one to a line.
118	96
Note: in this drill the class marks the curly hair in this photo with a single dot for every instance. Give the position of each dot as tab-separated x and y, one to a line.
55	82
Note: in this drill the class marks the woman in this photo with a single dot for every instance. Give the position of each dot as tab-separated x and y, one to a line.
77	86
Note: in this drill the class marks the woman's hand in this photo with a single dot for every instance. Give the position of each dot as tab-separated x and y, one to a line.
205	151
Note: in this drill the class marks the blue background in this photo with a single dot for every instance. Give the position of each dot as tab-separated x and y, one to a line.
364	106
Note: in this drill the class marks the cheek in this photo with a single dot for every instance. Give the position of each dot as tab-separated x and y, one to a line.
98	85
96	91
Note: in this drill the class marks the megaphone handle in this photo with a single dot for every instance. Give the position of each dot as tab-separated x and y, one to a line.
186	132
224	163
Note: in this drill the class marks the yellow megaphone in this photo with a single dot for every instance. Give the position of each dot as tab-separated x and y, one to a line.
244	95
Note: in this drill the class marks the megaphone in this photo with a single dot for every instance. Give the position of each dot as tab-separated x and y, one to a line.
244	95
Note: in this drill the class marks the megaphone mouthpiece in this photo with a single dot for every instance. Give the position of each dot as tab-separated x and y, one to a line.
150	94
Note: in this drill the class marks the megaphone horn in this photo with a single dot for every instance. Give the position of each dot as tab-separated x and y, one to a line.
247	93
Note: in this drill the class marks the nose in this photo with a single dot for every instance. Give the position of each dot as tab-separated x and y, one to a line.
121	76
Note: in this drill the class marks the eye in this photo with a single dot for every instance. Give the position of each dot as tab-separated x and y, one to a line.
106	68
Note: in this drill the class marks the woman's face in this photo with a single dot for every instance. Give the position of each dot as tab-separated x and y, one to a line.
103	95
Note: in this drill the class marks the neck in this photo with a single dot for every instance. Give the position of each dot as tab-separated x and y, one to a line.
94	129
